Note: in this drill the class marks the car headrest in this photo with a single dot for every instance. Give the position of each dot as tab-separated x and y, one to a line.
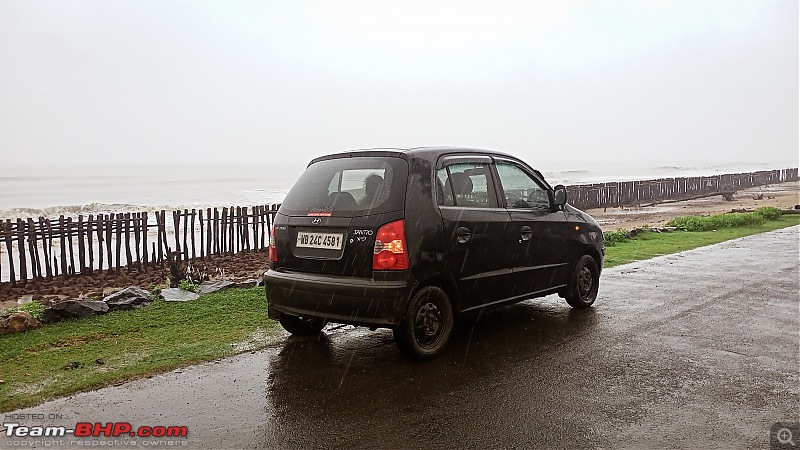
461	183
342	200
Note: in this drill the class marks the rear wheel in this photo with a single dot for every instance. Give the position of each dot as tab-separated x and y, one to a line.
301	326
428	324
582	289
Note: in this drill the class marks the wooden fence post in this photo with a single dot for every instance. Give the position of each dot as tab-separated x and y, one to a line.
23	263
239	237
202	233
245	228
265	228
208	232
223	230
62	230
36	264
193	253
9	247
99	221
45	250
137	238
160	225
145	227
185	232
90	244
118	235
231	230
71	247
81	247
109	235
128	255
216	231
164	232
176	225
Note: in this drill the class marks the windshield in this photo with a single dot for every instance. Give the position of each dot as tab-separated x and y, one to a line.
348	187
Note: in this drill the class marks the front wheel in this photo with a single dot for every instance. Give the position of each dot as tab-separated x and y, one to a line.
582	289
428	324
301	326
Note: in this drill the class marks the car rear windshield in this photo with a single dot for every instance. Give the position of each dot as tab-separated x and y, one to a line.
349	187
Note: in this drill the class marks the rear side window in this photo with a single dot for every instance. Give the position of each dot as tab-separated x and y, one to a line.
465	184
348	187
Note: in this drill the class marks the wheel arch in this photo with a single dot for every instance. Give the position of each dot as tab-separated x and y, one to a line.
442	282
598	260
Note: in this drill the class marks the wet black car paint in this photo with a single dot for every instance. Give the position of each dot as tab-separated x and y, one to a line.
512	254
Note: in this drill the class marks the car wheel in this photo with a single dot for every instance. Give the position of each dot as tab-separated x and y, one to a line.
582	289
428	324
301	326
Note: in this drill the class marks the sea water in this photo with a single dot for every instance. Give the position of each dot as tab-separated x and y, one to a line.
51	191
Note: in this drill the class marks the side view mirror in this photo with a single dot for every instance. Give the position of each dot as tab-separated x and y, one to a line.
560	195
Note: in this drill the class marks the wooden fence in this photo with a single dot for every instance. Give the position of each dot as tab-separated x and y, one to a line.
630	193
46	248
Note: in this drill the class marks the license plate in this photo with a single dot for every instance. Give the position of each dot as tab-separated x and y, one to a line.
330	241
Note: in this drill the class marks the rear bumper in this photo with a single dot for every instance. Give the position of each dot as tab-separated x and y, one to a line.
356	301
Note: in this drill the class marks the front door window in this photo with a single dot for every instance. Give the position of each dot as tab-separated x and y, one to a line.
520	190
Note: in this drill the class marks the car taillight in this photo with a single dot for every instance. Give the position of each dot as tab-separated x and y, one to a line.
273	250
390	247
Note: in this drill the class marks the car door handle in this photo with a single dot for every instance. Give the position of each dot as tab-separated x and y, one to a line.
525	233
463	235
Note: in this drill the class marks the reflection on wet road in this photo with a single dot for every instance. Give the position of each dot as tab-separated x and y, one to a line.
698	349
328	388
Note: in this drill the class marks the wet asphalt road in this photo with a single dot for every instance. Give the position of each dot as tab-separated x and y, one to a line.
693	350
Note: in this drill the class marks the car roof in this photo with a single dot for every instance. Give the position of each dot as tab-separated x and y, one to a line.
428	153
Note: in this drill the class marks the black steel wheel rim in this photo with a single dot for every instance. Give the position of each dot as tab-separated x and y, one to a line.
585	282
428	324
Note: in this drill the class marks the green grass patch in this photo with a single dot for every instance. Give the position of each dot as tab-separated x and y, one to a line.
615	237
729	220
34	308
648	244
130	344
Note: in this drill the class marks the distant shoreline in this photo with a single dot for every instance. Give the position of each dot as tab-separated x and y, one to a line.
51	197
782	196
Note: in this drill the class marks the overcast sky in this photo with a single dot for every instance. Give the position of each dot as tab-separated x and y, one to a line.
561	83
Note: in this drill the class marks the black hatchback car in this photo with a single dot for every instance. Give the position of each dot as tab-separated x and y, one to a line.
411	239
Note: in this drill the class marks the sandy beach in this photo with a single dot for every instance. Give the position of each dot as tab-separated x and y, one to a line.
783	196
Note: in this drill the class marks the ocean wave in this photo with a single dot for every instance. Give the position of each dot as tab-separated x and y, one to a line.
733	167
54	212
74	211
571	172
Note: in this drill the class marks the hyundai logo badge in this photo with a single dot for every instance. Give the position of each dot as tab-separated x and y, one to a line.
316	220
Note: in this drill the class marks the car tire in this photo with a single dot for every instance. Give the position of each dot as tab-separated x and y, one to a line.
582	289
427	326
301	326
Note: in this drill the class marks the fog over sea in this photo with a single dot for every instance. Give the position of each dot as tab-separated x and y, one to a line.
50	191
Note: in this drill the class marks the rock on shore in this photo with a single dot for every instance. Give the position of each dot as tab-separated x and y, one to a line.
178	295
73	308
17	322
207	287
128	298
